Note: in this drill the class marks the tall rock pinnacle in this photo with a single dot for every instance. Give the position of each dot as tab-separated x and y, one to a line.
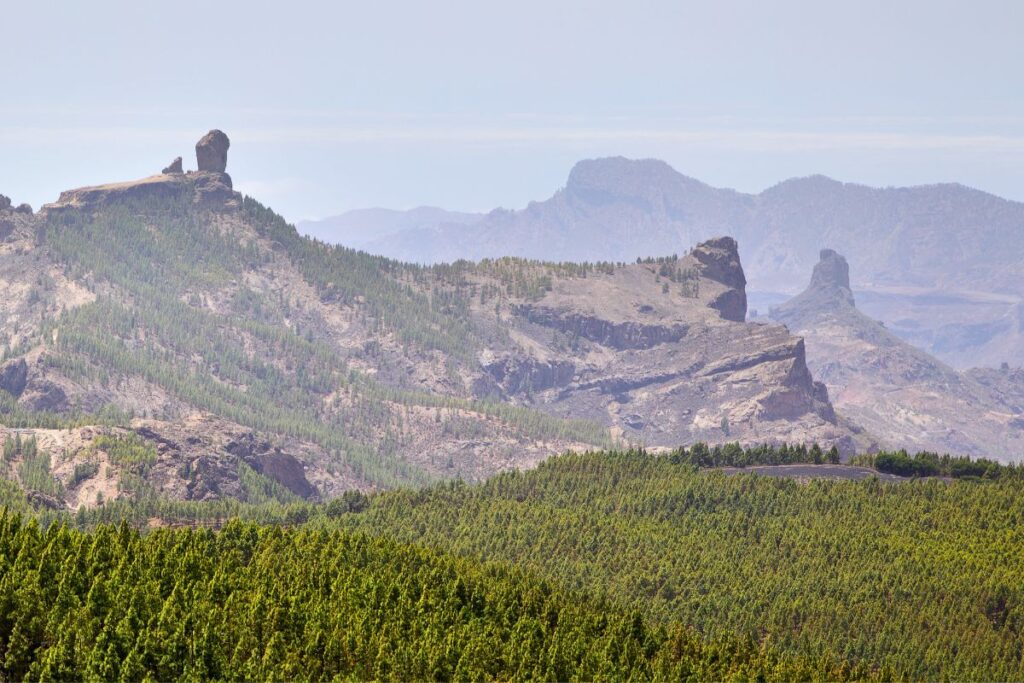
212	152
831	276
832	270
719	260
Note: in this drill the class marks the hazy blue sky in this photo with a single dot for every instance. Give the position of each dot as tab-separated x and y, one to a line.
472	105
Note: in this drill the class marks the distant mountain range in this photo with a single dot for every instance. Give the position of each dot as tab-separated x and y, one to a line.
939	264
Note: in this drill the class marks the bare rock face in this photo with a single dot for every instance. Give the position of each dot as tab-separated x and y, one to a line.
831	276
660	353
719	259
5	202
45	396
271	462
14	376
212	152
832	270
901	395
174	168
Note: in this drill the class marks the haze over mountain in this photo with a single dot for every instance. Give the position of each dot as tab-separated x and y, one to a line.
941	262
898	393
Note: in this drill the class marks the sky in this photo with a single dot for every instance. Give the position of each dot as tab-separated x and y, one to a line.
332	106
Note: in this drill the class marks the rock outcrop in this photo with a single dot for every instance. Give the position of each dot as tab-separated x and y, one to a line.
5	202
828	292
14	376
659	351
902	396
210	187
212	152
175	167
45	396
719	260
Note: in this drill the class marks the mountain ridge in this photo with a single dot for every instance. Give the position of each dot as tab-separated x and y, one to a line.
175	320
942	238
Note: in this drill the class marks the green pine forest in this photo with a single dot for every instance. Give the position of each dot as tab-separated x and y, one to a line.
620	564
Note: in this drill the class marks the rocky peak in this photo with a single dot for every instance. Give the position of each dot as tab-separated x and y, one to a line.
5	202
212	152
831	277
719	260
174	168
832	270
622	178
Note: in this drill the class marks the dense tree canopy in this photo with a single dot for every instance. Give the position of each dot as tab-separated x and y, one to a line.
272	603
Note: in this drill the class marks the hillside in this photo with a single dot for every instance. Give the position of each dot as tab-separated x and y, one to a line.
898	393
940	262
921	577
171	338
264	603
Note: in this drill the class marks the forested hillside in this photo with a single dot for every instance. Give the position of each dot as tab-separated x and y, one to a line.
266	603
925	577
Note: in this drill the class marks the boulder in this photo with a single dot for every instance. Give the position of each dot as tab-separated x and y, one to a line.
14	376
212	152
174	168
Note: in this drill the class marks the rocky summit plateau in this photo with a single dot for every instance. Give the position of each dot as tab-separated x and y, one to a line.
170	338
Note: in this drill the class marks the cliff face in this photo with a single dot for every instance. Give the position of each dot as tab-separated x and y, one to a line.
899	394
659	352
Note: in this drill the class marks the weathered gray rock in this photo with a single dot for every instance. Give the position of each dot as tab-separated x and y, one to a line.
24	208
45	396
518	375
14	376
174	168
719	260
213	189
619	336
832	270
5	202
212	152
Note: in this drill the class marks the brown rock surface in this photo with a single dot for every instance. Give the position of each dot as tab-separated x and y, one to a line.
174	167
212	152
